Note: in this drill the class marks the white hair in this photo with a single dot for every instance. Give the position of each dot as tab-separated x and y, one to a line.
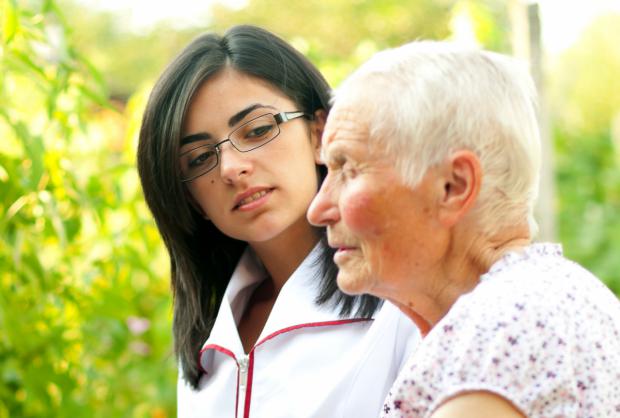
425	100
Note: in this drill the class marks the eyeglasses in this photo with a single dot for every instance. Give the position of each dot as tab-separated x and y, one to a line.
247	137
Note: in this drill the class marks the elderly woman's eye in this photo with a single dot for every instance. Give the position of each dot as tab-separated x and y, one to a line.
348	171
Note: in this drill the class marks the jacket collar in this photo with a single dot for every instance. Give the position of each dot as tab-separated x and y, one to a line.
294	307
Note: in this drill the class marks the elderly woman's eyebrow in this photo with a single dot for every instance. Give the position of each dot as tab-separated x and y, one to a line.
335	157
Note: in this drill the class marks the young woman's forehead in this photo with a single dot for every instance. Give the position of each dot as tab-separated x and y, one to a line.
232	87
246	78
230	98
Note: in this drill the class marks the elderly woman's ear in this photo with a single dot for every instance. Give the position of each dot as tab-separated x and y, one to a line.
461	177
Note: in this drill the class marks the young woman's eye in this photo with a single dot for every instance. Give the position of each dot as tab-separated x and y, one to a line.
259	132
201	157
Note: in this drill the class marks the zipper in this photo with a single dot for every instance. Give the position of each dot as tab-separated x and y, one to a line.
243	364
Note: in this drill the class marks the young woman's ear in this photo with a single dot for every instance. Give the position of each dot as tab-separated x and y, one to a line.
316	133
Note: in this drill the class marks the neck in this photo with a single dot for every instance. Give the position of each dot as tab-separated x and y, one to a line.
283	254
467	256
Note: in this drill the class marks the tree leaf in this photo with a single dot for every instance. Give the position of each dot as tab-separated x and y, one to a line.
10	21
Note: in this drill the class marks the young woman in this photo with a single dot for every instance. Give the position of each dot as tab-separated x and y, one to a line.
228	159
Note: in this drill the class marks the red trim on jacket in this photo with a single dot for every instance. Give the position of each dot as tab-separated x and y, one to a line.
248	390
216	348
310	325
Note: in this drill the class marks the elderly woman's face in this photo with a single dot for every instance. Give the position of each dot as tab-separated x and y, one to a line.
380	227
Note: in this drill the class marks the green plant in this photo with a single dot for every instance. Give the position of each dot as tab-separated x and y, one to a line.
84	307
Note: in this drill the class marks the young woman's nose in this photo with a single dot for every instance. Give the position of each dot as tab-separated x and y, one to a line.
234	164
323	209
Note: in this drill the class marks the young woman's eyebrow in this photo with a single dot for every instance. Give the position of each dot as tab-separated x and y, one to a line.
234	119
194	137
238	117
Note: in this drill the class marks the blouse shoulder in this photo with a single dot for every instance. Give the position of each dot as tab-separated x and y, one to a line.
538	330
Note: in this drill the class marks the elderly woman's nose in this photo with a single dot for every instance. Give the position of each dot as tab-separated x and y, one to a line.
234	164
323	211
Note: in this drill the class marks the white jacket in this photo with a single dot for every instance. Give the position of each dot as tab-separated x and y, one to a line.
307	362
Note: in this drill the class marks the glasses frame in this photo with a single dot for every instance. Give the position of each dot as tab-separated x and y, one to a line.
280	118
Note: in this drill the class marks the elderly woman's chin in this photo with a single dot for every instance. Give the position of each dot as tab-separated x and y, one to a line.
354	281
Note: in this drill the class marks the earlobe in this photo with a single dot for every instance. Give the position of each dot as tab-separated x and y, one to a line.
316	131
462	179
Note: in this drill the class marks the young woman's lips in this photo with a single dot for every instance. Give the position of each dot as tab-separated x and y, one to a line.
252	199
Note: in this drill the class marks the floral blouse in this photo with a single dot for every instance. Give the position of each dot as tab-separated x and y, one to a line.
538	330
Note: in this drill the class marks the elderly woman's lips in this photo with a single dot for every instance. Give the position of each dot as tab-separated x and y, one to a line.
343	253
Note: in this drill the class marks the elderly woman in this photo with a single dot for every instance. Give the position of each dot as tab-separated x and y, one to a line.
433	155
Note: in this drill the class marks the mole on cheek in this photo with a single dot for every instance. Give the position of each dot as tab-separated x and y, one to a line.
212	181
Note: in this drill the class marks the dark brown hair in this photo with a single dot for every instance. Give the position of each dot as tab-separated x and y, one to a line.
202	258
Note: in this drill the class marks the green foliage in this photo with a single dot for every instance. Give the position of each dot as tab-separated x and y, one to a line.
126	58
339	35
84	307
489	20
588	181
85	303
336	35
586	105
584	83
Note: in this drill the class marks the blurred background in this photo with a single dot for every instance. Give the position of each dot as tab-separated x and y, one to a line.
85	305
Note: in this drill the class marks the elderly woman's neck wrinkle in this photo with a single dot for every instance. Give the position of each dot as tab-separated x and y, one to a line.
468	256
511	239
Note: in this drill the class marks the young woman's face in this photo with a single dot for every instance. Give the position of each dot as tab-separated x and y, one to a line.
253	196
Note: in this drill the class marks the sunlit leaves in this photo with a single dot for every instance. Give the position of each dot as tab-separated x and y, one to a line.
10	20
585	98
339	35
76	241
84	301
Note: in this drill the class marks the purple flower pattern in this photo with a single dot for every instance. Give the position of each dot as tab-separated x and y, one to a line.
538	330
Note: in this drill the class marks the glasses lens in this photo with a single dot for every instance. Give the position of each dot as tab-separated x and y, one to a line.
255	133
198	161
